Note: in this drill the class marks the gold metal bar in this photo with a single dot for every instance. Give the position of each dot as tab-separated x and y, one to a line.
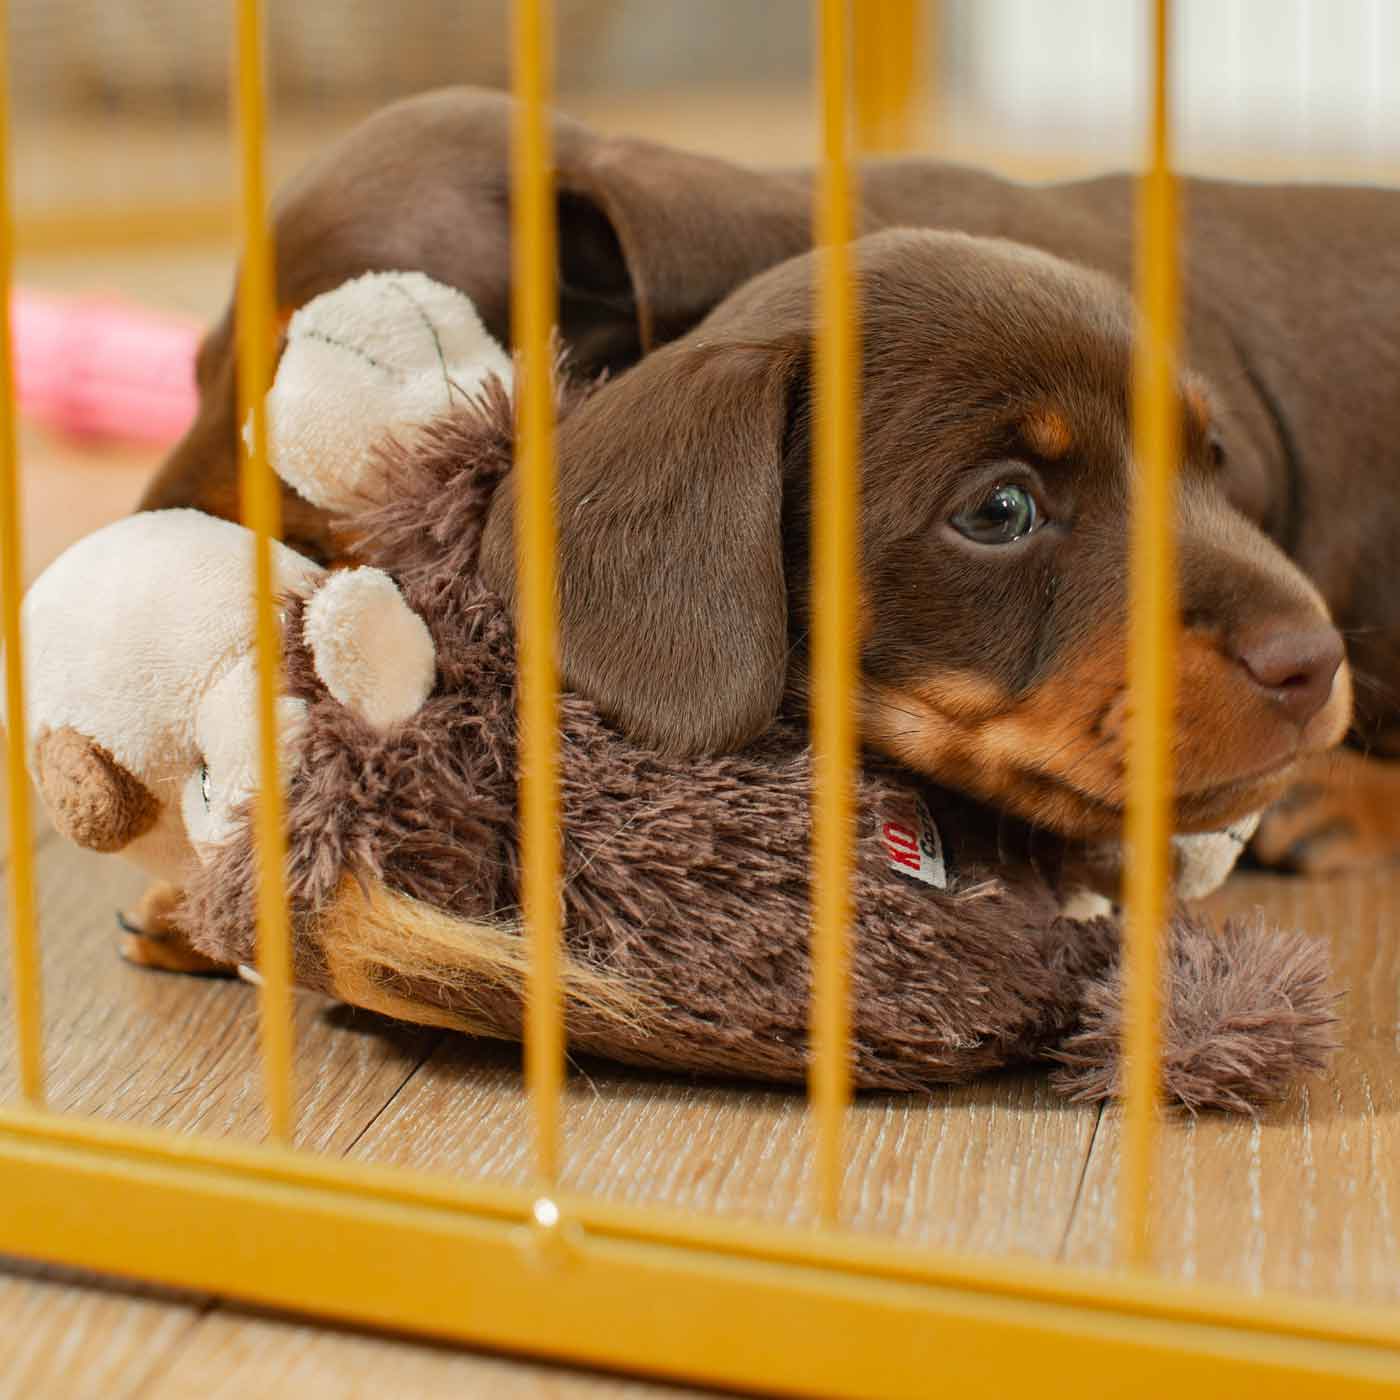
262	513
107	1152
147	224
834	582
802	1322
24	933
1151	651
532	313
889	49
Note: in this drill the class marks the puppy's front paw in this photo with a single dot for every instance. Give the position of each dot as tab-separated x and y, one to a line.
1343	814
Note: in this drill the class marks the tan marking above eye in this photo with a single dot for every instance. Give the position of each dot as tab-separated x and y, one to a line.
1198	407
1047	433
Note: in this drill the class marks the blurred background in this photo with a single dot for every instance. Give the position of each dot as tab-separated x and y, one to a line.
123	163
1277	81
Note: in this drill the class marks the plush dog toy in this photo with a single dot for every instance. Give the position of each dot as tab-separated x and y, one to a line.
685	889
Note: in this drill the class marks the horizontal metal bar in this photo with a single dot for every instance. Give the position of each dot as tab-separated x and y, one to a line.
143	226
586	1295
115	1198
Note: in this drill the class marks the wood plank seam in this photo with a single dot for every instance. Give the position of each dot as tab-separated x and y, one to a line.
1075	1199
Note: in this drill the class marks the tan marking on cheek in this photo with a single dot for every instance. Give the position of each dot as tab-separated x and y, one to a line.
907	727
1208	714
1027	756
965	698
1070	727
1197	402
1056	756
970	733
1047	432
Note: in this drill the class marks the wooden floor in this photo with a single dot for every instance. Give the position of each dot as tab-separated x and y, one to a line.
1303	1199
1306	1198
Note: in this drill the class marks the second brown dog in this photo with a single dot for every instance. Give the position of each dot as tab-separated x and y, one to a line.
1293	299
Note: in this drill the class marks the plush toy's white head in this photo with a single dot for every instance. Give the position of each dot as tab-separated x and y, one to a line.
379	354
142	678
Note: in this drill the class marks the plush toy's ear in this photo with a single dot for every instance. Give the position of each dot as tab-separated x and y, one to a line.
673	603
372	651
383	353
91	798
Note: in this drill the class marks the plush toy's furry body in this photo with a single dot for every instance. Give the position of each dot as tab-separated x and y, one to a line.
685	892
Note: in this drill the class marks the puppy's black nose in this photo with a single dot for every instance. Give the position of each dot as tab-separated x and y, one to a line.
1293	664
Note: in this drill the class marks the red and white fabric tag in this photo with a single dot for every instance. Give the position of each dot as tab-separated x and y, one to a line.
913	845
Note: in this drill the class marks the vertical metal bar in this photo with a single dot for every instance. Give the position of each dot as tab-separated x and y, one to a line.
533	312
889	44
834	582
262	513
24	936
1151	649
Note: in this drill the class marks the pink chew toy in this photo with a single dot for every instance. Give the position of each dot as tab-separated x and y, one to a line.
100	367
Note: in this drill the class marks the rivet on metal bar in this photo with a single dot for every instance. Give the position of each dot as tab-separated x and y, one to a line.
1151	651
834	612
532	312
262	513
24	935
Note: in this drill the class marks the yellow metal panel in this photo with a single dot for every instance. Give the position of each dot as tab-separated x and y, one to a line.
532	311
834	582
791	1327
1151	651
804	1313
262	502
32	1136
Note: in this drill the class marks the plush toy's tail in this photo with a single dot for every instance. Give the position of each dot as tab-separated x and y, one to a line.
406	959
1246	1010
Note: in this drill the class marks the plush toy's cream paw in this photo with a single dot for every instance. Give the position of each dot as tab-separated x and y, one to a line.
384	352
371	649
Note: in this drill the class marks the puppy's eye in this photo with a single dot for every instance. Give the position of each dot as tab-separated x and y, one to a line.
1216	448
1005	514
204	784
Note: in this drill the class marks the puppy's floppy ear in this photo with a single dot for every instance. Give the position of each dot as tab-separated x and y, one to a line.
673	605
651	239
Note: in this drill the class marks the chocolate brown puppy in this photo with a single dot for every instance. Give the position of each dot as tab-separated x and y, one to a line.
1292	297
996	475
